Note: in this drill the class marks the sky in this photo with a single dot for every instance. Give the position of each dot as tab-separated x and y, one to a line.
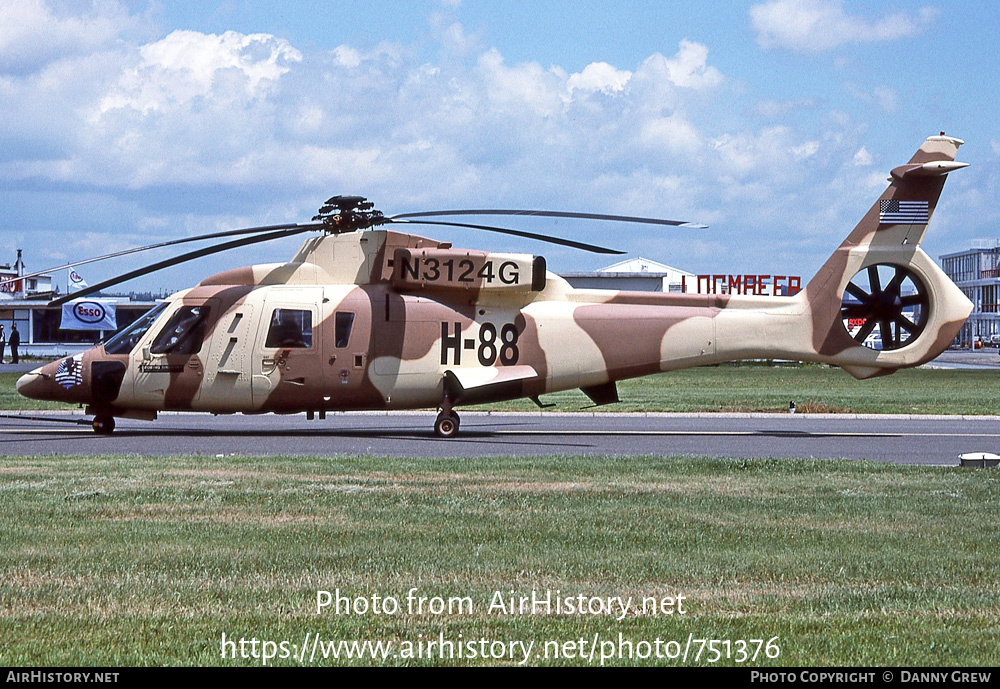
776	122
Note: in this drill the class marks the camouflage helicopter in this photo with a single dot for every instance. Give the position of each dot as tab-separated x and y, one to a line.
364	317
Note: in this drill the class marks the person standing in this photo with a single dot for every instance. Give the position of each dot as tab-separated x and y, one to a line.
3	343
14	341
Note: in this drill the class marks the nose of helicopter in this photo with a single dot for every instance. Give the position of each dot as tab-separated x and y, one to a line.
59	381
33	384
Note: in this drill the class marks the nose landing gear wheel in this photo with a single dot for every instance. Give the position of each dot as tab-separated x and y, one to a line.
104	425
446	425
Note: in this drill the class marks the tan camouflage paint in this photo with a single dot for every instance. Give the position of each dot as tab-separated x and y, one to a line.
416	339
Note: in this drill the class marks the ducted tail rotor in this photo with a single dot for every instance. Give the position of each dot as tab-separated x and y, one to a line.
885	306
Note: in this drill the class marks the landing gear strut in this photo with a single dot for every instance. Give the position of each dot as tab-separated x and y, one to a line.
104	425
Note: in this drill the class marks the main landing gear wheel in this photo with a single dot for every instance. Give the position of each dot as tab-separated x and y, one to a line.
446	425
889	297
104	425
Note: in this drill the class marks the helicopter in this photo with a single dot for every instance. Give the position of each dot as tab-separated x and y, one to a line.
366	317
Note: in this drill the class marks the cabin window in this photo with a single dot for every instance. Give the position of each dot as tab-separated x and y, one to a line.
290	328
183	333
344	322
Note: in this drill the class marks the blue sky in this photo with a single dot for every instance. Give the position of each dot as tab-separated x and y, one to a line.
775	122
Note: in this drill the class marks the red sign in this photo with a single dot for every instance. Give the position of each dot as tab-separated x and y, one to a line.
758	285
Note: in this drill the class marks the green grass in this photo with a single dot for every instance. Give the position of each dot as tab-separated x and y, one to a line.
142	560
10	400
817	389
749	388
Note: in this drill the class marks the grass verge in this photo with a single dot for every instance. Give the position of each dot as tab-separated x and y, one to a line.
148	561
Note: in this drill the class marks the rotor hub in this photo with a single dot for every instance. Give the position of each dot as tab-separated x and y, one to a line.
342	214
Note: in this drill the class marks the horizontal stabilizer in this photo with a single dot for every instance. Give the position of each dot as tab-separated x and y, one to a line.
472	378
932	169
473	386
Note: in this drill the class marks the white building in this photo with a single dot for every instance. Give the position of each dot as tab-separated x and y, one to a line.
24	303
640	274
976	271
11	287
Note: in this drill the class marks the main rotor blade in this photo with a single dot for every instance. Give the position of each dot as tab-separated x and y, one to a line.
517	233
183	258
554	214
125	252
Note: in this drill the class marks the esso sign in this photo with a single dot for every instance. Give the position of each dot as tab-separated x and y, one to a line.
89	311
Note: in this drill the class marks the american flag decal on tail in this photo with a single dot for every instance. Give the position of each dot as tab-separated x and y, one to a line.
894	211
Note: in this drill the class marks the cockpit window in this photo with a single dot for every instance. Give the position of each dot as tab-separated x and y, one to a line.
290	328
183	333
125	341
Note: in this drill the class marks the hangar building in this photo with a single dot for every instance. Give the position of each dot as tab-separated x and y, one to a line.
641	274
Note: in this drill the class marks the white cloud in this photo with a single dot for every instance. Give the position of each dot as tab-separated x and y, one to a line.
32	33
455	39
187	65
346	56
805	150
599	76
193	119
236	109
812	26
862	158
673	134
689	67
770	153
526	85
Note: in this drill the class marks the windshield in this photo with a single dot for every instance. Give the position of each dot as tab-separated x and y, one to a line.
126	340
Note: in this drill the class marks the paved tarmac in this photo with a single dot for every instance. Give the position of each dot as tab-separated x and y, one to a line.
898	439
20	367
987	358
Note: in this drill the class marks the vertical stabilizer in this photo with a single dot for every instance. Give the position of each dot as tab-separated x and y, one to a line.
880	284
